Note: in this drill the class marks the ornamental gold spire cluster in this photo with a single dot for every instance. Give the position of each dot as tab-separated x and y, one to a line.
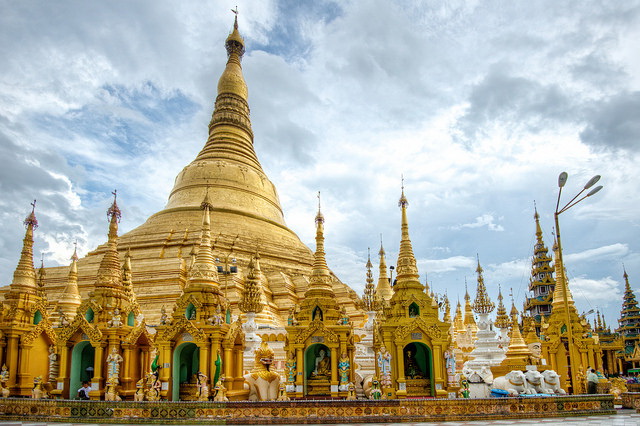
408	277
482	304
502	319
252	294
629	322
369	298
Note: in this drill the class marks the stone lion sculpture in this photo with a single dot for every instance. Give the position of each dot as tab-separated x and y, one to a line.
534	382
514	383
39	391
111	391
263	384
282	392
140	392
551	383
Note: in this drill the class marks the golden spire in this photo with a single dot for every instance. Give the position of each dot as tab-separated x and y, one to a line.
502	319
384	291
320	281
482	304
41	278
203	270
127	280
407	269
252	294
24	277
561	286
109	272
70	298
458	322
230	134
369	298
469	320
447	308
516	342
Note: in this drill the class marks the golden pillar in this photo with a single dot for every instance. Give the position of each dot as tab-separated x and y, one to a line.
25	378
12	358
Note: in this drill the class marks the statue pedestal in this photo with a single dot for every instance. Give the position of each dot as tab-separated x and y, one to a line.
418	387
319	386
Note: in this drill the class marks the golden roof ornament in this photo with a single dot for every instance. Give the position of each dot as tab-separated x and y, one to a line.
203	270
482	304
109	272
252	294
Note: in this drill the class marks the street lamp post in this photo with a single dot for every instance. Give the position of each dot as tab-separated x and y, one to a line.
562	180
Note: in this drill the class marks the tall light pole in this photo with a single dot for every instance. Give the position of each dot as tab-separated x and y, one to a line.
562	180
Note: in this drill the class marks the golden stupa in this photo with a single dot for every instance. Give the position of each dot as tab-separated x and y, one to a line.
246	217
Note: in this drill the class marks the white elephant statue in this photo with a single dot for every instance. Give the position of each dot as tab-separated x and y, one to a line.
514	383
551	383
263	384
534	382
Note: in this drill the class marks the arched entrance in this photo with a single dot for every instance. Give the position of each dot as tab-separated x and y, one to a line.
82	358
186	363
317	370
418	369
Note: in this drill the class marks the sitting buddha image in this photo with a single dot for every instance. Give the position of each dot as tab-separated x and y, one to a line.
411	368
322	365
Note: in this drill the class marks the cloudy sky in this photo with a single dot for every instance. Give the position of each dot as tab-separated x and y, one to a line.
479	104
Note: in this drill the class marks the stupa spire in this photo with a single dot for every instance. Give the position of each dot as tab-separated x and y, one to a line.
407	268
70	298
469	319
320	277
204	271
482	304
24	277
383	290
109	272
562	286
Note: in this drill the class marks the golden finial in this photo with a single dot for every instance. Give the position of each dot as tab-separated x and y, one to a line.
369	298
252	294
403	200
31	219
114	210
319	216
206	203
74	256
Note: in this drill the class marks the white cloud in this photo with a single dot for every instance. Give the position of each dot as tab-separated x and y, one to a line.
484	220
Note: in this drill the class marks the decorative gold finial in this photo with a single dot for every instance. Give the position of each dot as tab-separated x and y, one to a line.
31	219
502	319
319	216
74	256
403	203
114	210
206	203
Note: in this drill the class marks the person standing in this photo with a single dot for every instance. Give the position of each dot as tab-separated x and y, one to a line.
592	381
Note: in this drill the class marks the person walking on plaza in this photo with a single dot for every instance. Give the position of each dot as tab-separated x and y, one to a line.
592	381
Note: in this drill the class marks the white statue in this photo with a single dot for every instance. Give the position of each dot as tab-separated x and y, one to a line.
113	361
551	383
513	382
534	381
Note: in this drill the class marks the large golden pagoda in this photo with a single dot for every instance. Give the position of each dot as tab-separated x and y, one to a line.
245	216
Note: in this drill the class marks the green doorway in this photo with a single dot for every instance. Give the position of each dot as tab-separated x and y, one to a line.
186	363
418	367
82	358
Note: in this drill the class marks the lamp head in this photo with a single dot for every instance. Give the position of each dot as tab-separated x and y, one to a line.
562	179
592	181
594	190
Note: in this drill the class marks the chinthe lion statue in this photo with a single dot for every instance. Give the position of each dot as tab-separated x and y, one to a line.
551	383
514	383
39	391
111	392
263	384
